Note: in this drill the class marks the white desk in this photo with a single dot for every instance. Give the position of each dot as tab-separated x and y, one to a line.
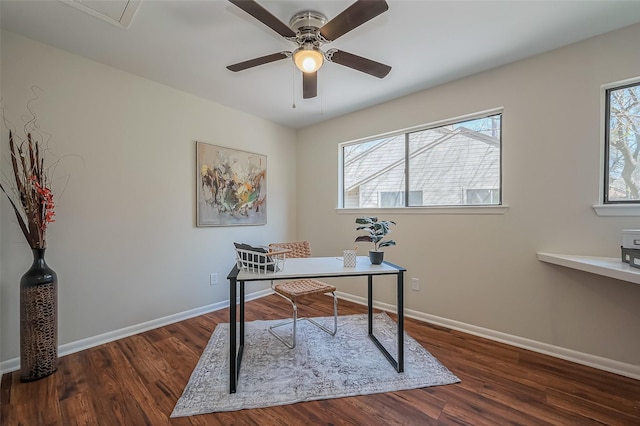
312	267
612	267
319	267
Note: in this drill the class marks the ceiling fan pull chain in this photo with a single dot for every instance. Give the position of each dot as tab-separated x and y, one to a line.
321	79
293	85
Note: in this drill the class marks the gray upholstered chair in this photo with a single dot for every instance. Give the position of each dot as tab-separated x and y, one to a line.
304	289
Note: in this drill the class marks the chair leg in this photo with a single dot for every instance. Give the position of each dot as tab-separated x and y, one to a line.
335	318
280	324
295	319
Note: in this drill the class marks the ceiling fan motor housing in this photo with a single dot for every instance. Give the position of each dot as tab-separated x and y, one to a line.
306	25
307	20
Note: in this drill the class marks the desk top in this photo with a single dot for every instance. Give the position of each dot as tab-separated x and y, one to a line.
316	267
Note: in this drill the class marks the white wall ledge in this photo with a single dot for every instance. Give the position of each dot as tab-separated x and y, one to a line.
611	267
617	209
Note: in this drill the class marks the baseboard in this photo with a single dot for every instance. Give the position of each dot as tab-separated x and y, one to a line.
90	342
605	364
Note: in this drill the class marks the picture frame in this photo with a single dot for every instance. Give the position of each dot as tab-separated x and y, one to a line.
231	186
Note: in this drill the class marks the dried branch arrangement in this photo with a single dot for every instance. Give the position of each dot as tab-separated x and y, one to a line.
32	199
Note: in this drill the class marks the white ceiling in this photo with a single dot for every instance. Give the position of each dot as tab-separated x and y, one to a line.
186	44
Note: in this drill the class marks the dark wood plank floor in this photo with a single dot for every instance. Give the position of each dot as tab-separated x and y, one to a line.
137	381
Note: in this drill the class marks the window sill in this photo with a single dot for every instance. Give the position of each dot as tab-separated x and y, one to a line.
617	209
473	210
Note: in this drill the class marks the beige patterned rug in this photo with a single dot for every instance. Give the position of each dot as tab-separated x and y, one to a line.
319	367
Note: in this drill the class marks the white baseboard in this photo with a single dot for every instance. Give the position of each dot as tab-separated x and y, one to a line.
621	368
90	342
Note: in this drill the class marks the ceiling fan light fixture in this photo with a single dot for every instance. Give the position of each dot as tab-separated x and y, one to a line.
310	30
308	59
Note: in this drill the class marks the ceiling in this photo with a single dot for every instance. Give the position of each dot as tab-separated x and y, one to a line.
187	44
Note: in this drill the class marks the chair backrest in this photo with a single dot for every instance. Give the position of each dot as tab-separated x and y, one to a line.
298	248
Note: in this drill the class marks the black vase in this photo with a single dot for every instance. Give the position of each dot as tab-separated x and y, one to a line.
376	257
38	320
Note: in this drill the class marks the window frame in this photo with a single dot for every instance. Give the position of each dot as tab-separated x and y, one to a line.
609	209
607	122
500	208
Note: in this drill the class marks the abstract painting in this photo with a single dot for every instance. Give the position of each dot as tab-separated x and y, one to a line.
231	187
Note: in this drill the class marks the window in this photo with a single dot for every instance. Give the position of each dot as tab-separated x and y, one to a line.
622	144
482	196
452	164
396	198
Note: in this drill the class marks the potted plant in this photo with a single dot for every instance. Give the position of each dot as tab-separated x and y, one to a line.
376	231
32	200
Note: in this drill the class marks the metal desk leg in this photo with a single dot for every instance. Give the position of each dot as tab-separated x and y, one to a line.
232	335
399	363
400	296
373	338
370	304
241	348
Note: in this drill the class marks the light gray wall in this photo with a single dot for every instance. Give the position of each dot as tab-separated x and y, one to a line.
481	270
2	142
124	243
126	249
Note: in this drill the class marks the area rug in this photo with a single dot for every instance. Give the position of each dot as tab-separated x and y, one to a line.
319	367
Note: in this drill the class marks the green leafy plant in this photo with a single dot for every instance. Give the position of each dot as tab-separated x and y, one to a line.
376	231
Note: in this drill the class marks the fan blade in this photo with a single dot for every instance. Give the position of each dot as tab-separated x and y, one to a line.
355	15
359	63
309	85
264	16
258	61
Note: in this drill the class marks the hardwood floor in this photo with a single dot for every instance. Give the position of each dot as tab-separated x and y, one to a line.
137	381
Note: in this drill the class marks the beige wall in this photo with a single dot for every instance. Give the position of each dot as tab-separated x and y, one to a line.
124	244
126	249
2	142
481	270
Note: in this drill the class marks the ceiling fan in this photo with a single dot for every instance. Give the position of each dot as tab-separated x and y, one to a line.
309	30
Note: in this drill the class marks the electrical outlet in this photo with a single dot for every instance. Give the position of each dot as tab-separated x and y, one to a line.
213	278
415	284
